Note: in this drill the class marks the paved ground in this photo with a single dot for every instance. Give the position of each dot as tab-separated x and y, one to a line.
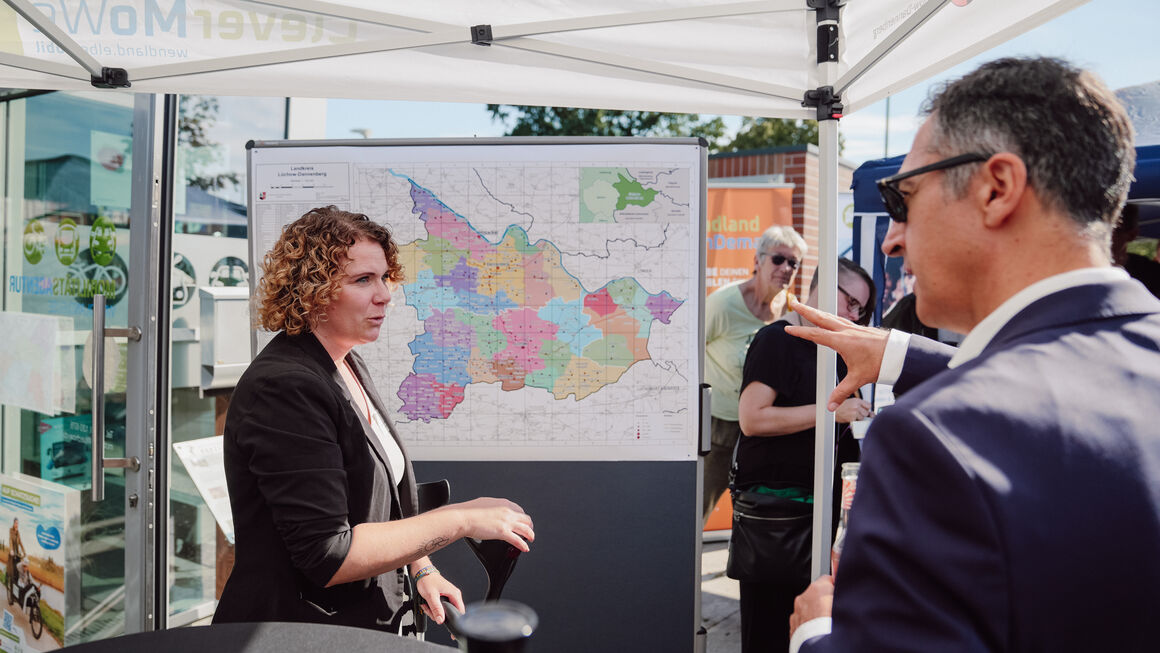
719	601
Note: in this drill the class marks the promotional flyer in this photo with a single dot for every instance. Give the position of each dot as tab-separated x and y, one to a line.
41	563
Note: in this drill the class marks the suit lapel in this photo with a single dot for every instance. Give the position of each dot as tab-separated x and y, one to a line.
1074	306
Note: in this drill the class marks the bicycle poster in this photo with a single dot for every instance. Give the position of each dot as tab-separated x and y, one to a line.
40	558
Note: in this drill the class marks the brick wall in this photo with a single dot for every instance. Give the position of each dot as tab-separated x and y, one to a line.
799	165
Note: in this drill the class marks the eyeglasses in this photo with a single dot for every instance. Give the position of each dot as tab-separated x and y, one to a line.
852	305
895	199
778	259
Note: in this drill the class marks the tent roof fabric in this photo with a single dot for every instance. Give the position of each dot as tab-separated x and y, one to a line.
701	56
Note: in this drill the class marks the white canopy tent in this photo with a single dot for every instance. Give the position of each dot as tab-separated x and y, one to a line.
756	58
743	58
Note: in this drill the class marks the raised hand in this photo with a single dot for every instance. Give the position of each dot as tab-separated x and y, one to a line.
859	346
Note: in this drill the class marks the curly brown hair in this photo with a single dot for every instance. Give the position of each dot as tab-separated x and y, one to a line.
302	273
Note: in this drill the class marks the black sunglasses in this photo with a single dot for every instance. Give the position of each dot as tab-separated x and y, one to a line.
895	200
779	259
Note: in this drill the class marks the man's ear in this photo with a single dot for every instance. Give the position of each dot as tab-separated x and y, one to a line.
1001	186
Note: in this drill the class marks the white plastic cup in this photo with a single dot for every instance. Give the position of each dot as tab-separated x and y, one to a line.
860	427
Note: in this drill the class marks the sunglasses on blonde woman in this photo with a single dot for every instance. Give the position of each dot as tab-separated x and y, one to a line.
778	259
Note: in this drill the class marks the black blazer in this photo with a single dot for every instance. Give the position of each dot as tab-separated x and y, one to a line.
303	468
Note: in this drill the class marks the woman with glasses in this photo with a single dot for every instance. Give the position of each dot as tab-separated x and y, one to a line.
733	313
775	456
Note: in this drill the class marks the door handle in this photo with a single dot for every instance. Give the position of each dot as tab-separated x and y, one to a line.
100	463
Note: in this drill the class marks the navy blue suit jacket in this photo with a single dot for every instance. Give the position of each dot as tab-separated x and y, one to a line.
1013	503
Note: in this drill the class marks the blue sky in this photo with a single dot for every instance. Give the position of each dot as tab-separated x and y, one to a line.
1122	45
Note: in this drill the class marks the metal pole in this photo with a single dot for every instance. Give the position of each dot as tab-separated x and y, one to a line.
886	131
827	359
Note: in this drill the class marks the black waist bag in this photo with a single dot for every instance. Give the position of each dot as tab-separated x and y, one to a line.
771	539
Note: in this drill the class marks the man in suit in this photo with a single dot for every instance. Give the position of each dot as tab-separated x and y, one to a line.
1010	499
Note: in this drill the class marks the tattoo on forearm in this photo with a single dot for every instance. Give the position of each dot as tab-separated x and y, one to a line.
431	545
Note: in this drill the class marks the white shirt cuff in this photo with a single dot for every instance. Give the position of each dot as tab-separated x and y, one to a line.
807	631
893	357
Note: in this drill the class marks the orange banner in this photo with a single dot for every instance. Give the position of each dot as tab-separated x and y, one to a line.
736	219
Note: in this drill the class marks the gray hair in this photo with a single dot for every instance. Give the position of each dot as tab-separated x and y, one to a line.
1071	132
782	236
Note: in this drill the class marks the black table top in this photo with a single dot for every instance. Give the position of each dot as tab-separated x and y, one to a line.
260	638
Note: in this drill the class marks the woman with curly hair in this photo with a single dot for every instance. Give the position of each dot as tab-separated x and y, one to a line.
323	495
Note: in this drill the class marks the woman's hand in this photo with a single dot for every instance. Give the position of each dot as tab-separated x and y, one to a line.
496	519
852	410
432	588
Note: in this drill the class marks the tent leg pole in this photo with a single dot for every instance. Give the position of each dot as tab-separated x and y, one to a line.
827	359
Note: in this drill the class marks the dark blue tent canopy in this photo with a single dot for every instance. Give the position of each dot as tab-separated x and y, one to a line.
1147	185
1145	191
866	198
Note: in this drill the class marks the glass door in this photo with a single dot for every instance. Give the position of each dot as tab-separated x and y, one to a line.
79	220
210	263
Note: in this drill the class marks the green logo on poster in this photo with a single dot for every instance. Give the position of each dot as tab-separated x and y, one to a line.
103	241
67	242
35	241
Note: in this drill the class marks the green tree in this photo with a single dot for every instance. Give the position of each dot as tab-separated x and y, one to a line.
197	114
566	121
754	134
758	133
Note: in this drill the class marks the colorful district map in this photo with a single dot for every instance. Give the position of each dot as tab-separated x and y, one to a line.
511	313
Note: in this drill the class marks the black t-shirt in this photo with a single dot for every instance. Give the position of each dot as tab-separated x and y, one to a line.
1145	270
789	366
904	317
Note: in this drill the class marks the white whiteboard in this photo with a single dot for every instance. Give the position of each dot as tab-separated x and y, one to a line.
552	302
